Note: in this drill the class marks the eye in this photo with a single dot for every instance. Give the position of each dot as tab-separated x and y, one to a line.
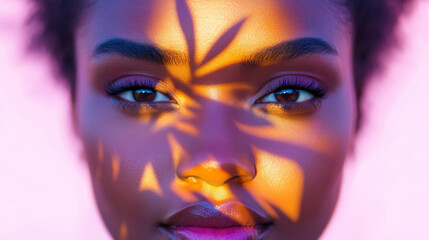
143	95
287	96
291	94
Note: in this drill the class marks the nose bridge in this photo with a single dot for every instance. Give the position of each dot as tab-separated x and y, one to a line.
220	154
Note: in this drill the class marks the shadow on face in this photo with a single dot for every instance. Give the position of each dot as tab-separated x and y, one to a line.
205	119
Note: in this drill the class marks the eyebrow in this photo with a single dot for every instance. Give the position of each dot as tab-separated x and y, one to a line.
289	50
142	52
284	51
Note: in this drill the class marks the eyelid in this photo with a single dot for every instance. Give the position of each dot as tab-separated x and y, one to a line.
132	82
300	81
128	95
134	108
302	94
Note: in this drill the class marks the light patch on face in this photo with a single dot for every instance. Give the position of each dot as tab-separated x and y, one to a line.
164	120
100	152
182	190
178	153
181	73
149	180
279	182
239	214
168	120
123	231
216	194
187	128
215	38
222	93
115	167
211	172
271	132
100	158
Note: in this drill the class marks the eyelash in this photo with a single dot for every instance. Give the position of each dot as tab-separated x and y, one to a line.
117	87
297	82
113	89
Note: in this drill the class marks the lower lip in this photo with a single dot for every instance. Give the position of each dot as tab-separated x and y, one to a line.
224	233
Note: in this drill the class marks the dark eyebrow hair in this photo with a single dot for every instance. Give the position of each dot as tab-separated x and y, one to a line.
138	51
289	50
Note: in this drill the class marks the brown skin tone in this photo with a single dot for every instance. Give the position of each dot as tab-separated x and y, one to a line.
210	131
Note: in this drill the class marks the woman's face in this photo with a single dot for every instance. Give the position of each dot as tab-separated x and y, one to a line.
225	119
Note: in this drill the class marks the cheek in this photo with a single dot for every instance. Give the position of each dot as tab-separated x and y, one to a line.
300	159
130	164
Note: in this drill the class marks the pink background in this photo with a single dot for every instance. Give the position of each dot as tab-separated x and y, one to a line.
44	185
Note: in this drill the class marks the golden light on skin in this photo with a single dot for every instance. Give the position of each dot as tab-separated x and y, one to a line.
163	121
187	102
181	73
260	38
100	152
149	181
285	192
222	93
271	132
169	120
123	231
258	30
177	151
213	19
165	29
215	175
216	194
182	190
143	117
115	167
187	128
214	22
219	194
244	217
100	158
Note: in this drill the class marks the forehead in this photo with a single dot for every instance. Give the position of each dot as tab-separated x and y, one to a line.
242	25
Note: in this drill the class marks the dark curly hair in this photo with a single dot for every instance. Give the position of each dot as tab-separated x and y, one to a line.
373	24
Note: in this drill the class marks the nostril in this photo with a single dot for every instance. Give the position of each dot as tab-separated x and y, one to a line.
240	179
215	182
215	173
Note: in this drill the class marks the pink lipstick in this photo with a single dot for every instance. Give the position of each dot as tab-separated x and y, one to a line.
229	220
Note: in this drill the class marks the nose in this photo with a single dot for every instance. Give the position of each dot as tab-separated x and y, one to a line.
220	154
216	170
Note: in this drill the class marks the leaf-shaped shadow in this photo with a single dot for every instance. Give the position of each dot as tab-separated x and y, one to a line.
223	42
188	28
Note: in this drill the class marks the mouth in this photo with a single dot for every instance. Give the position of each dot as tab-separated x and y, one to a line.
229	220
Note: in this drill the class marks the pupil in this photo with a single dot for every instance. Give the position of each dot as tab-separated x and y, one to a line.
144	95
288	95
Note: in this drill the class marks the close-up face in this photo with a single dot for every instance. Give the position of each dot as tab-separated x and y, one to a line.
215	119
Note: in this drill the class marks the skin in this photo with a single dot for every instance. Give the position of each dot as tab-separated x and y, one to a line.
210	140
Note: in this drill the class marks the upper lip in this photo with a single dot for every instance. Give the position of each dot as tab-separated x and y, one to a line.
227	214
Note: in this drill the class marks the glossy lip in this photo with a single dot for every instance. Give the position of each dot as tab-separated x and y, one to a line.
228	216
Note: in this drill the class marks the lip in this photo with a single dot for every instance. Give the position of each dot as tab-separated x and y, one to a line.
229	220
